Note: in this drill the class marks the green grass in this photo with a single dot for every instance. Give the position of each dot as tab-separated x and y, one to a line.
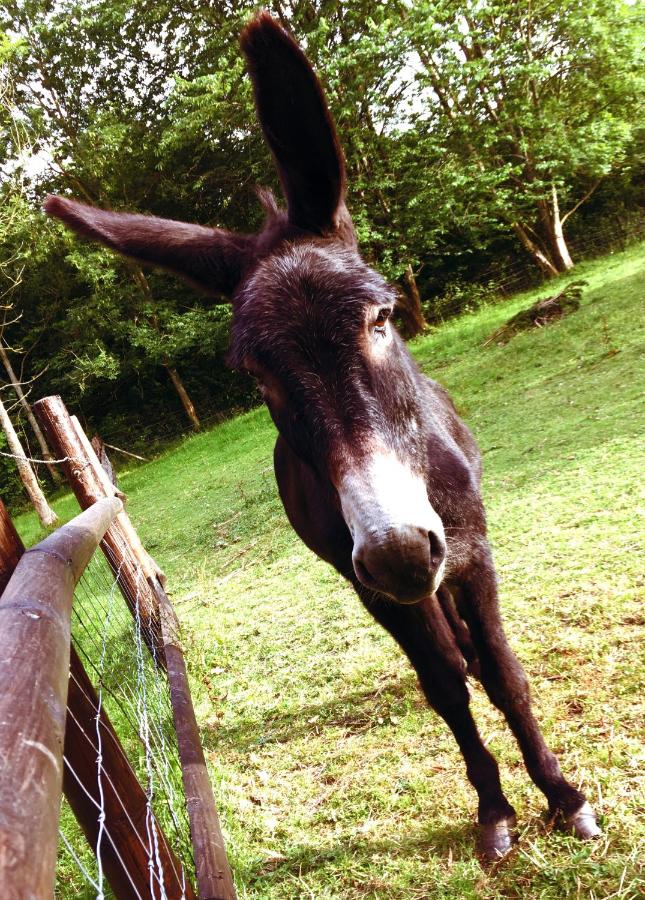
332	777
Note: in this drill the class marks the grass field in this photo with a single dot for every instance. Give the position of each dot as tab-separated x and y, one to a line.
332	777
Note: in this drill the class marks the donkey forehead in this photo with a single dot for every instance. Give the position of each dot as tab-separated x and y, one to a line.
308	289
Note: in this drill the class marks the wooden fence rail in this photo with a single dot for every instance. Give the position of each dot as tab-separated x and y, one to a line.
212	870
124	850
35	610
124	856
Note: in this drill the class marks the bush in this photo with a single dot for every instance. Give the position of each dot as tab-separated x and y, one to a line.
459	297
11	489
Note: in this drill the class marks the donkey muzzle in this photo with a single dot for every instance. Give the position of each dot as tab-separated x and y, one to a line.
406	564
399	542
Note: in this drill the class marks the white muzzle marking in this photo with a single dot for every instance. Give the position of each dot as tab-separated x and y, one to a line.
384	498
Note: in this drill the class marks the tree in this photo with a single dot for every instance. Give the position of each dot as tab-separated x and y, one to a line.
527	102
45	513
17	385
467	127
91	89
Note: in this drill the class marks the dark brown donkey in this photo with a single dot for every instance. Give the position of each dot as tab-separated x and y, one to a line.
377	473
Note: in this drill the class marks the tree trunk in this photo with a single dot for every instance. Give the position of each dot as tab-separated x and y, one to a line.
537	254
46	514
552	233
409	307
178	384
563	257
35	427
183	396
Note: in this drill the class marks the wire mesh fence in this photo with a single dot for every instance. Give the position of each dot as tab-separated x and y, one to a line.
132	688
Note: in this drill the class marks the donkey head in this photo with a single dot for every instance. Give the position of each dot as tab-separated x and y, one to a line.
311	323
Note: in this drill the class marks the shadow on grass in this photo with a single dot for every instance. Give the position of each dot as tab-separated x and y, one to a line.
354	712
456	842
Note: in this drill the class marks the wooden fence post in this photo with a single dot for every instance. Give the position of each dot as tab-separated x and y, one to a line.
11	547
131	565
35	610
214	878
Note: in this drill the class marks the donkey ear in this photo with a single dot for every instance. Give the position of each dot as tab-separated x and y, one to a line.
298	128
211	259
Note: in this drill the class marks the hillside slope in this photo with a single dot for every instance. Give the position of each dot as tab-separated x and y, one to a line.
333	779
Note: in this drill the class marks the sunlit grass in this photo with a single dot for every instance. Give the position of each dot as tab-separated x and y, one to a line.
332	777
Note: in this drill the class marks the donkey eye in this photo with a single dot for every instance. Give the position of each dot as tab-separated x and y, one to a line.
382	316
258	381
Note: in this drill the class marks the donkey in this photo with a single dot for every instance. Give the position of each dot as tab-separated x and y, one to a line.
377	473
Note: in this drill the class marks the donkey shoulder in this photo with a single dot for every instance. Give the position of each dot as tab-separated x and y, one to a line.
442	412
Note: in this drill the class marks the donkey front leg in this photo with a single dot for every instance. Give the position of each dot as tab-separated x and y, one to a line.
505	683
423	633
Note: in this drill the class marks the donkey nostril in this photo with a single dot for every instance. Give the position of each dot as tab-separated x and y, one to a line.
437	550
363	573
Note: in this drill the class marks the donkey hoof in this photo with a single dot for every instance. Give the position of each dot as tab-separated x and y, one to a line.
583	823
496	839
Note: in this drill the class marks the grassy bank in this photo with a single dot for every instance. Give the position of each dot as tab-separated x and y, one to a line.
332	777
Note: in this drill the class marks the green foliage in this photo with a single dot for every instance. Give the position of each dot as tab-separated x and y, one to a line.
459	297
11	490
528	102
462	124
96	365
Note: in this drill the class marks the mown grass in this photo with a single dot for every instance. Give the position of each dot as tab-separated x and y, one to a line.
332	777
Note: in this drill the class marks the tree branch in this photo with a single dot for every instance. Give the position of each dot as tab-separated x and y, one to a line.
580	202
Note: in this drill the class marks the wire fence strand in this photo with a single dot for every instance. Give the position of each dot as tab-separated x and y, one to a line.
132	689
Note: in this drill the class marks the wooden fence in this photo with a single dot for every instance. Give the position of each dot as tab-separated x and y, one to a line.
56	735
